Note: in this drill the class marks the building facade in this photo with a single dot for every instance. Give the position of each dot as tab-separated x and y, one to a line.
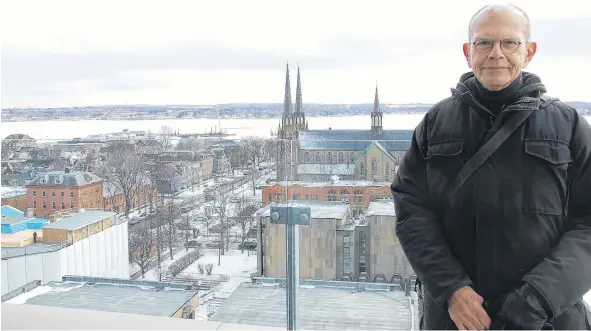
357	194
54	191
91	243
336	246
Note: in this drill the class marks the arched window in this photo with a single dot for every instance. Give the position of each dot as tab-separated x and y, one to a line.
361	170
387	172
374	167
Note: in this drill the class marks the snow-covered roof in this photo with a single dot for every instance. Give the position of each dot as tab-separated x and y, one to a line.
381	208
326	169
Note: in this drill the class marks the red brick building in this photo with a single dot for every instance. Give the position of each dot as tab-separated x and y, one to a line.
53	191
357	193
115	201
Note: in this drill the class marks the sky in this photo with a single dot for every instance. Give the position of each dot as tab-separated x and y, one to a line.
75	53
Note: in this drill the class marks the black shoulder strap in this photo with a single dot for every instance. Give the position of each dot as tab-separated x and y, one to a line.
484	153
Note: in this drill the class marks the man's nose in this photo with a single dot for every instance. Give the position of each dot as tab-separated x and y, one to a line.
496	52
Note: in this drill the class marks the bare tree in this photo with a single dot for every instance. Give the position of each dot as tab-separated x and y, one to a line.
141	243
245	211
166	133
220	207
253	177
173	212
123	168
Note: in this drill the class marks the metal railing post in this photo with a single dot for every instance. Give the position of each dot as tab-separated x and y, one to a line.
291	216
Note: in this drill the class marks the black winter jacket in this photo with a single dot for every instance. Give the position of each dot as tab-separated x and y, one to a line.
524	216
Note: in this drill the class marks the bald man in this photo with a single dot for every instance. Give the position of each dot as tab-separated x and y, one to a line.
510	247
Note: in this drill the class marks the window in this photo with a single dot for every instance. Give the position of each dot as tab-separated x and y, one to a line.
374	168
341	157
317	157
71	205
52	193
332	195
362	252
62	194
43	194
329	157
34	193
71	194
387	172
34	204
53	205
346	255
306	157
361	170
44	205
63	205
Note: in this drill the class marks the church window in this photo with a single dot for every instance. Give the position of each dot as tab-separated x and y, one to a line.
387	172
374	167
361	169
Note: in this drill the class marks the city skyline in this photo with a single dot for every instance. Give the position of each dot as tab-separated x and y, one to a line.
64	54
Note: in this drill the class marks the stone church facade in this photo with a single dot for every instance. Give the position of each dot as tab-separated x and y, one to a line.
319	155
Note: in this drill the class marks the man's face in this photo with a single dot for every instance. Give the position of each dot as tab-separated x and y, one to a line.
496	68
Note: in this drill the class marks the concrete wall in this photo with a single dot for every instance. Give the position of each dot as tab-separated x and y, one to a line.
386	254
317	249
104	254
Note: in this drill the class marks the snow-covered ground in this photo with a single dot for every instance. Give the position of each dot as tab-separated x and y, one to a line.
166	262
238	266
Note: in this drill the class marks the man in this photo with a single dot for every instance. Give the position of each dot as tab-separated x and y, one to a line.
512	249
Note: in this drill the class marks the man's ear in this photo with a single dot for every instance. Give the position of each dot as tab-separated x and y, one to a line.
466	49
530	49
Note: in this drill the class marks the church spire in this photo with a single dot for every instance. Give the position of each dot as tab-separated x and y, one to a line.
287	99
376	115
298	108
376	101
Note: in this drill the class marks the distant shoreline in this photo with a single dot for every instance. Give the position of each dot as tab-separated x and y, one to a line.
195	118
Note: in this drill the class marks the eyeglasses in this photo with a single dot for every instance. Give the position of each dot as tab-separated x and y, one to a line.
507	45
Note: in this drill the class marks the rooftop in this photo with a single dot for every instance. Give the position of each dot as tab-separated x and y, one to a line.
381	208
13	219
326	169
331	210
11	211
62	178
349	140
79	220
20	239
53	318
320	308
133	299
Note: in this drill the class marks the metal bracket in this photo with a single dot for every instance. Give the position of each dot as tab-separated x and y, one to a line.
293	215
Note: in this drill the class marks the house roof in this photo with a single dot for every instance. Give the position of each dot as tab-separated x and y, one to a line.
326	169
62	178
353	140
11	211
79	220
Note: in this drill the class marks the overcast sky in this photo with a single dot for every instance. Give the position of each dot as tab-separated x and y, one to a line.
73	53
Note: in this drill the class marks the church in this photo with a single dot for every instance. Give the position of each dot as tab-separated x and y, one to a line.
320	155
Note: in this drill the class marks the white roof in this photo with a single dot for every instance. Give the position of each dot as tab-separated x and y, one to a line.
381	208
